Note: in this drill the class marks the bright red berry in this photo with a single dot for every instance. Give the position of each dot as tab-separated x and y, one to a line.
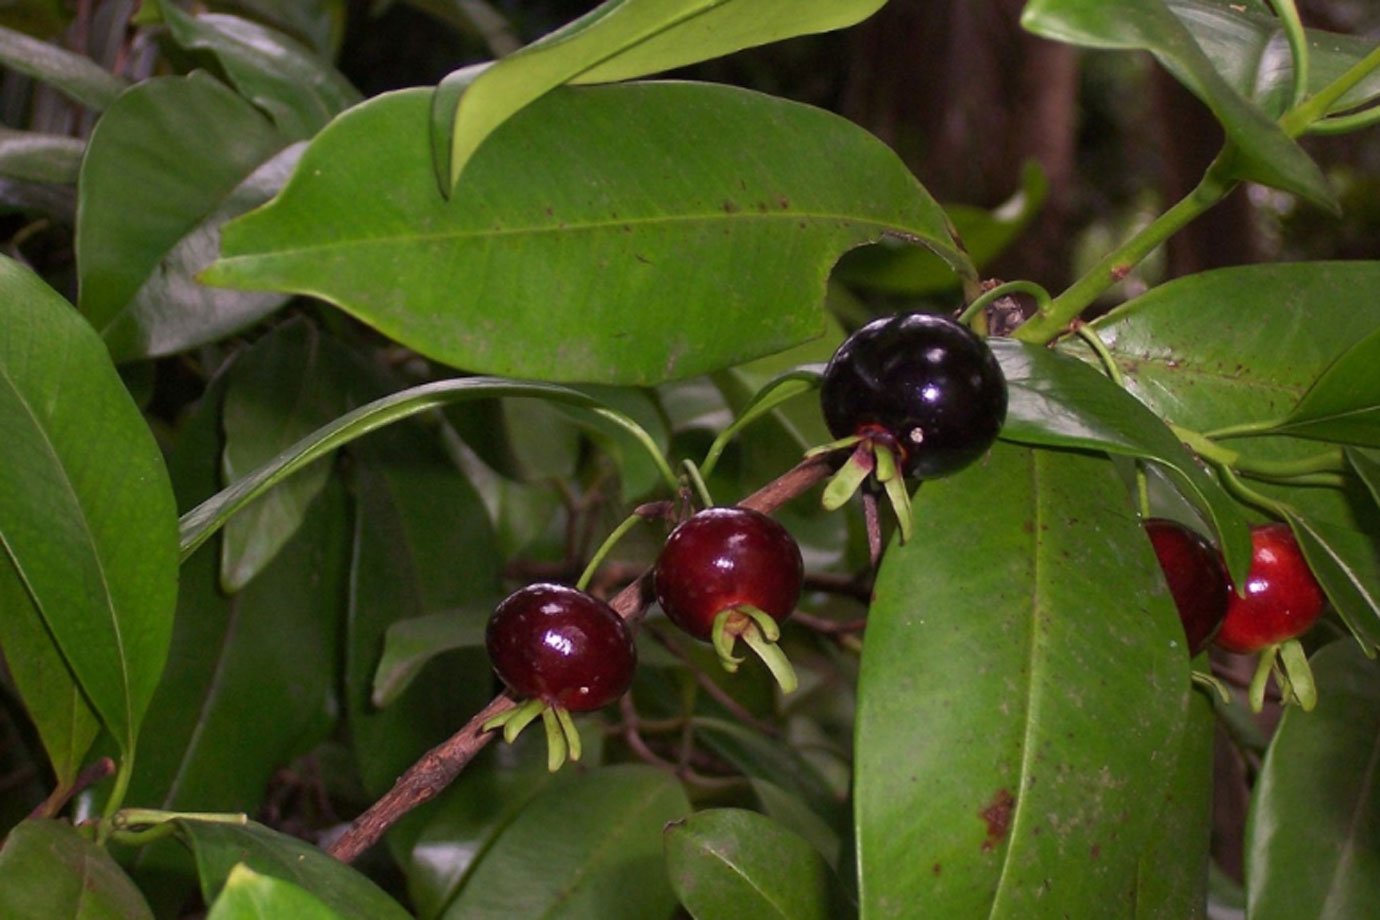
1196	577
722	558
562	646
1282	599
921	384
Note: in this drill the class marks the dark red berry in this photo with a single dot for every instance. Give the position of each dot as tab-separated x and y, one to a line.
722	558
1282	598
924	381
562	646
1196	577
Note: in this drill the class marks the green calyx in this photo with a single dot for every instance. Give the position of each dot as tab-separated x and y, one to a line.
562	738
760	631
1288	662
869	457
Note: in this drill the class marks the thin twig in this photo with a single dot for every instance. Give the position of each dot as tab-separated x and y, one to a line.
439	767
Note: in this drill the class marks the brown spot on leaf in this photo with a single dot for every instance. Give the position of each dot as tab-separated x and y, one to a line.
730	206
936	868
997	814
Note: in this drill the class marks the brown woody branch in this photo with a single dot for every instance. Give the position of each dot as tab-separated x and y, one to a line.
439	767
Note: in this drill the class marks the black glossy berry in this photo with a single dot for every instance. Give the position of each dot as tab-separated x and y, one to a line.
723	557
562	646
920	383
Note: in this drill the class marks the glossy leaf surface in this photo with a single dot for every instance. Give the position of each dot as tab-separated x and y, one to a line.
1347	565
48	870
727	863
1344	403
291	382
606	863
1002	641
284	78
499	278
78	77
247	895
1267	154
1060	402
620	40
87	513
170	153
409	644
219	848
1314	832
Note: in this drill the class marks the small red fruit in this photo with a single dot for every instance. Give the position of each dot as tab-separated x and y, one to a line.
561	646
1196	577
729	573
1282	599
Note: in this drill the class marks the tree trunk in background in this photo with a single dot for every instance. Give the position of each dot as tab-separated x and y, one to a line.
966	97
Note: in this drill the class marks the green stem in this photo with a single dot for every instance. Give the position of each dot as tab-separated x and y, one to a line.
1250	496
981	302
1298	47
1094	341
1328	461
117	796
143	837
1302	117
139	817
1051	321
1245	429
692	473
1345	124
609	543
643	438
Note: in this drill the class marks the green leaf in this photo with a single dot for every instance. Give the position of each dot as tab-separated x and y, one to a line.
32	157
596	265
219	848
188	144
287	80
1314	830
1366	464
761	757
791	812
247	895
75	76
728	863
620	40
1172	877
204	520
422	544
1247	47
1002	642
1344	403
1347	565
319	23
1056	401
409	644
48	870
65	723
587	848
893	267
286	386
86	515
1265	153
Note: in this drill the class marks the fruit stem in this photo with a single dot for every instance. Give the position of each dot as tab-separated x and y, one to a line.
1263	667
605	548
640	434
1053	319
985	299
787	386
692	473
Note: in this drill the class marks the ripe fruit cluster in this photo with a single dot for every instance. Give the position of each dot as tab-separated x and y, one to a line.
1280	601
723	574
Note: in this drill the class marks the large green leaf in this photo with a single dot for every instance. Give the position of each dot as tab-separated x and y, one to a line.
219	848
422	544
78	77
52	699
1347	565
570	252
49	870
728	863
287	80
1026	616
1266	153
86	515
409	644
619	40
1248	48
1344	403
247	895
1060	402
588	848
289	384
1314	830
169	155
